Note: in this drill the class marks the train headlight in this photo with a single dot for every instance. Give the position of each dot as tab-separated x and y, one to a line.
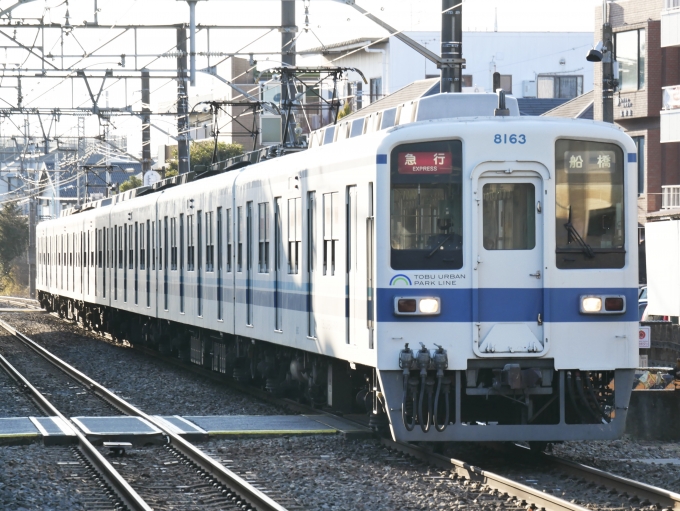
416	306
591	304
429	305
603	304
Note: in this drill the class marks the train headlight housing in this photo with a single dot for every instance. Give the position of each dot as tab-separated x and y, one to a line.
603	304
417	306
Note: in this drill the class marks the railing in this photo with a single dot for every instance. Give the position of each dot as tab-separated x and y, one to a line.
671	197
671	4
670	96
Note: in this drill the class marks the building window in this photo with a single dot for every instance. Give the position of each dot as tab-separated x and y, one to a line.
467	81
506	83
629	50
376	89
640	144
564	87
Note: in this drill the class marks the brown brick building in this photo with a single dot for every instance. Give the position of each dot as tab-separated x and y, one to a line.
646	66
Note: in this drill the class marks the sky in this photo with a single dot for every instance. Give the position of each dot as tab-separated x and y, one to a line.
329	21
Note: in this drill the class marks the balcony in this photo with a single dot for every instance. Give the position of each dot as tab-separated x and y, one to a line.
670	24
670	115
670	198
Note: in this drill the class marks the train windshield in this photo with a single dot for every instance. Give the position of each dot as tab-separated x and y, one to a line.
589	211
426	227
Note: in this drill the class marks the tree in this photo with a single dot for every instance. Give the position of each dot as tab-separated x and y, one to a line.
132	182
345	111
13	239
201	154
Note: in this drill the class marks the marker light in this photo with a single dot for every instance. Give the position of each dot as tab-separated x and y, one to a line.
429	305
406	305
591	304
614	304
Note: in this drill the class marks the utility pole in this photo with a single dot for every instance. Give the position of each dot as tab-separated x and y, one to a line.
452	46
609	81
288	30
146	124
182	103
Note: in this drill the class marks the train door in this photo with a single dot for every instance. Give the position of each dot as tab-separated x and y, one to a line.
353	291
509	309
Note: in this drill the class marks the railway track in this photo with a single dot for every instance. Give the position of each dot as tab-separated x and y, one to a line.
627	493
204	480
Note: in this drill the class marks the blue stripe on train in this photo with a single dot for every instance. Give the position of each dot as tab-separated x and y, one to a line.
498	304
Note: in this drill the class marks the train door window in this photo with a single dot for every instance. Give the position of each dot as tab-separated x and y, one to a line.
227	222
104	262
509	216
173	244
209	243
131	246
163	242
278	244
148	273
219	263
190	242
249	262
263	239
199	245
125	266
311	251
331	230
370	271
426	214
119	244
589	205
181	263
115	262
153	245
93	248
239	242
294	234
100	249
136	262
142	251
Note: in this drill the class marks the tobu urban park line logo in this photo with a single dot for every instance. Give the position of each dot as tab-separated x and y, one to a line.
400	279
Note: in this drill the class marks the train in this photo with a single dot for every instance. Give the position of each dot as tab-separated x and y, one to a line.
454	270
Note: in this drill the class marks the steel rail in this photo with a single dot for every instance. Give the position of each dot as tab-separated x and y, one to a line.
124	491
252	495
495	481
654	494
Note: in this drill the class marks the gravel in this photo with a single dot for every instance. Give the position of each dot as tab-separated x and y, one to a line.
332	473
55	479
150	384
655	463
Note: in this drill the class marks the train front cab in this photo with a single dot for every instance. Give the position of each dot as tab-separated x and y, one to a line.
509	307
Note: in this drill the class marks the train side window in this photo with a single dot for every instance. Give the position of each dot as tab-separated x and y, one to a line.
331	230
263	238
227	221
190	242
239	240
92	239
589	205
209	243
294	234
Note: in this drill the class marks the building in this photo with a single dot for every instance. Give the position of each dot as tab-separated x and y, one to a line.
547	65
646	38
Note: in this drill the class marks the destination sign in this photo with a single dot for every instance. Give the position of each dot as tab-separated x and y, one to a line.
429	162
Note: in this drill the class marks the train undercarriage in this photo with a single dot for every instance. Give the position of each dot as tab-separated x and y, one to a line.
497	399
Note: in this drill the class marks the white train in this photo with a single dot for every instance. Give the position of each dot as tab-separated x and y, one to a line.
465	276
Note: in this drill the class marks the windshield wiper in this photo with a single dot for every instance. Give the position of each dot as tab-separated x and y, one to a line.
574	235
434	250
